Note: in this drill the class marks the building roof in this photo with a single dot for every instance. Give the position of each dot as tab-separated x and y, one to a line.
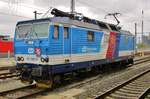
5	34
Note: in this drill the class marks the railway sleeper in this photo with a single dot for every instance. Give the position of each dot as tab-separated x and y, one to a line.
140	84
130	90
129	93
134	86
116	96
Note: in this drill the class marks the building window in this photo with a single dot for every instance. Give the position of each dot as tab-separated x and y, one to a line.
66	32
90	36
56	32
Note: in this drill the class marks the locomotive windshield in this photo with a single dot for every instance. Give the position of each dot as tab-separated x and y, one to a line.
32	31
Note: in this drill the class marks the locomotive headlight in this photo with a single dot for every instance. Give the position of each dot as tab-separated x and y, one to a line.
22	59
44	60
47	59
18	59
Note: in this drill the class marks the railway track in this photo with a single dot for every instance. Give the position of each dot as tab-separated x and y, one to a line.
142	60
10	68
31	90
22	92
89	80
8	75
92	79
8	72
134	88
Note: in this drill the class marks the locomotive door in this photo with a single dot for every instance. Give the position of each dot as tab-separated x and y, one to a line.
67	41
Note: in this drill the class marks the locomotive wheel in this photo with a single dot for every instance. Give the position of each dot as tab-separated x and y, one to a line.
57	79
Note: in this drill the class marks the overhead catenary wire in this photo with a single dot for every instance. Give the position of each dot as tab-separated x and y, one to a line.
28	6
47	11
3	13
82	2
16	4
13	7
94	7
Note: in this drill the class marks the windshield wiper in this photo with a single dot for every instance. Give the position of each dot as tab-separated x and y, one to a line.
36	35
26	34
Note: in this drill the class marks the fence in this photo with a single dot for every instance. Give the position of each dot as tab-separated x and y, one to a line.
143	41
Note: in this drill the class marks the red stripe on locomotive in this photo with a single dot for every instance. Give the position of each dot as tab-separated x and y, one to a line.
112	45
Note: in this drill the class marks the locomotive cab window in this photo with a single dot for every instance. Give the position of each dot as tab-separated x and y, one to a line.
34	31
90	36
56	32
40	29
66	32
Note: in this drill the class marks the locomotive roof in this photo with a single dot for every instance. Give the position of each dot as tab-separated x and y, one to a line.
32	21
126	32
65	20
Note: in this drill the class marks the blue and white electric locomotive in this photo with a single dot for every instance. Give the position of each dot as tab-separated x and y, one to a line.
46	49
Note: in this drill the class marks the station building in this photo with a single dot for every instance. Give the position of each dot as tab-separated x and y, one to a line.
6	45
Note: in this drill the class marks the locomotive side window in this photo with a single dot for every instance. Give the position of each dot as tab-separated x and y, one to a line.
66	32
126	39
90	36
106	38
56	32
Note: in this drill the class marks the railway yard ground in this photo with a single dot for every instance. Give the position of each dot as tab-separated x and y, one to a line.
5	62
74	49
103	85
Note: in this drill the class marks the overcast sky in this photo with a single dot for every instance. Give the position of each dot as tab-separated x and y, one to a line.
12	11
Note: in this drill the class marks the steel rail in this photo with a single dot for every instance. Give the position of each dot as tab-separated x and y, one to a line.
111	91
